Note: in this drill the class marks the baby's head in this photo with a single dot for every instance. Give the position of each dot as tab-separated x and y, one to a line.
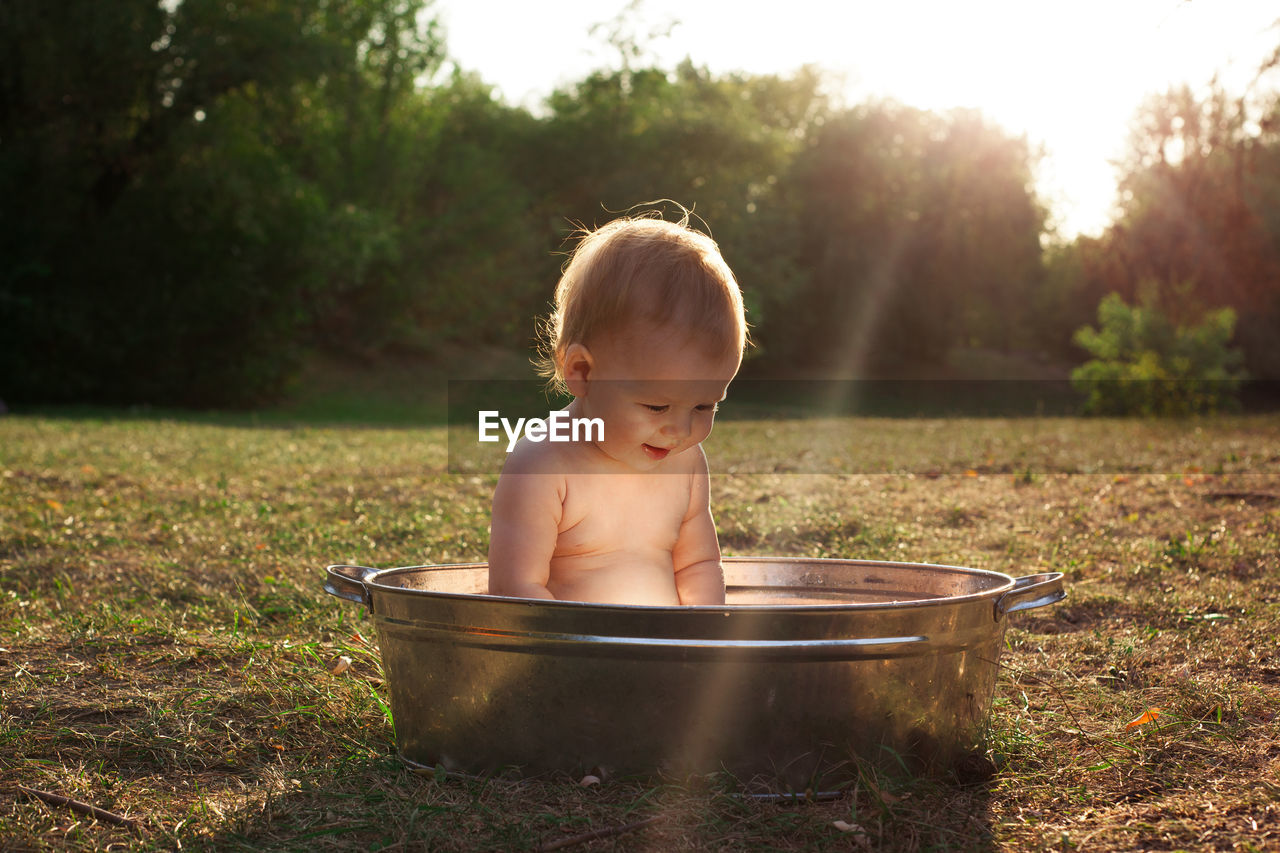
638	277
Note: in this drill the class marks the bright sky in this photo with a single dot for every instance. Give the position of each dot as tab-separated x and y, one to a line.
1067	74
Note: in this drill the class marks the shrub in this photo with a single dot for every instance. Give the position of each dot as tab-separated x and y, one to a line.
1144	364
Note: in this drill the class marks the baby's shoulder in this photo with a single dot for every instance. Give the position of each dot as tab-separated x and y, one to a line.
530	481
694	461
538	457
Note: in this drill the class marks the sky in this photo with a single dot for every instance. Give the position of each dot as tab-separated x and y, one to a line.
1068	75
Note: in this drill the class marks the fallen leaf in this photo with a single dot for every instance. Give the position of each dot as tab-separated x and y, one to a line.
845	826
970	473
260	546
1148	716
589	780
53	504
1120	478
341	665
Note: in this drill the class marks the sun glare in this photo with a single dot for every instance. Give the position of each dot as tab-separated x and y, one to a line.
1062	77
1067	75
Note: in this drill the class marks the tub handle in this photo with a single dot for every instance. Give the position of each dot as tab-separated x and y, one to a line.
1030	592
351	583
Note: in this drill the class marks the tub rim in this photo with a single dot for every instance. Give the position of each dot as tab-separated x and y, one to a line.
1010	594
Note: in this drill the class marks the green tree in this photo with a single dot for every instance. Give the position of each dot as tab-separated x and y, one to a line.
1200	206
919	231
173	220
1145	364
472	244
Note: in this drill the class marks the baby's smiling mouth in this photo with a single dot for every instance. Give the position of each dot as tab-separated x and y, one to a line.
656	452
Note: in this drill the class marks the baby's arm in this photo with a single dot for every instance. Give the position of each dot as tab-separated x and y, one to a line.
696	555
522	534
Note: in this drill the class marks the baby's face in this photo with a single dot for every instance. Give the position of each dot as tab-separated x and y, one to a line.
656	393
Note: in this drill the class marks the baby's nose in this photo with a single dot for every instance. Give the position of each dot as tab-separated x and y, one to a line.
679	425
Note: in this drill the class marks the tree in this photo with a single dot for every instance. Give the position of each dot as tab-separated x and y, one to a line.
172	218
920	232
1200	206
1145	364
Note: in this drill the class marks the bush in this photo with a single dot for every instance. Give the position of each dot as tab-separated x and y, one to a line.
1144	364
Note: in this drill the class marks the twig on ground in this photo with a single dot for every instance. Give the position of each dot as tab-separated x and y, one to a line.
607	832
1244	495
81	807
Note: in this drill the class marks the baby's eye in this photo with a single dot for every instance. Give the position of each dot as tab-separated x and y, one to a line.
655	409
708	407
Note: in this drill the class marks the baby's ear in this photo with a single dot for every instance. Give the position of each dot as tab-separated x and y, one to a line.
576	366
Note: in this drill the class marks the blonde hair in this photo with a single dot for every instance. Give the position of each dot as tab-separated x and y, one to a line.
641	268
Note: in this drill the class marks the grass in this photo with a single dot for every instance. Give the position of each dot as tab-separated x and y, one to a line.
165	647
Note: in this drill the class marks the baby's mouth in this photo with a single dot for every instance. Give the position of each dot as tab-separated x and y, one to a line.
656	452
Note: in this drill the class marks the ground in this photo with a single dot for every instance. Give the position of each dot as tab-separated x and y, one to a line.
166	651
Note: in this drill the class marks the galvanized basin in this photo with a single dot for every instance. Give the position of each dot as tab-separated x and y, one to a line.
810	663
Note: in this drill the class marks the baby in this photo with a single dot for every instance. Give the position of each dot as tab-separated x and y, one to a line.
648	332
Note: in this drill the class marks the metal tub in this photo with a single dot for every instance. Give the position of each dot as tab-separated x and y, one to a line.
810	663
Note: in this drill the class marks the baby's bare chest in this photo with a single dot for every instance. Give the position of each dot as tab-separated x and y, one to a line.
622	513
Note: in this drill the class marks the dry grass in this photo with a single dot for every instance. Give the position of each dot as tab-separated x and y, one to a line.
165	646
